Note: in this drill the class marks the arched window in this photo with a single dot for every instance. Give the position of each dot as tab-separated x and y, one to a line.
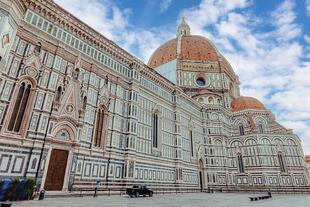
241	129
155	130
21	102
58	94
99	130
281	162
240	163
84	102
191	141
260	129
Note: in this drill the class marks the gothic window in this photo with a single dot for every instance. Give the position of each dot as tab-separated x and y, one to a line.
155	131
240	163
260	129
58	94
191	140
99	130
281	162
84	102
241	129
20	106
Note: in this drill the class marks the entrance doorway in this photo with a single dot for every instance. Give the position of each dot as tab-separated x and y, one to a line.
56	170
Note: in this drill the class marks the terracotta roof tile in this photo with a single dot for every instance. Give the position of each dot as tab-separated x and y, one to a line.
242	103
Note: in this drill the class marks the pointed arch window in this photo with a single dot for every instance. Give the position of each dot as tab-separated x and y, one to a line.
191	142
100	127
240	163
241	129
20	106
155	130
281	162
260	129
58	94
84	103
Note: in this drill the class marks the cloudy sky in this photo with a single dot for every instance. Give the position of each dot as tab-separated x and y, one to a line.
266	41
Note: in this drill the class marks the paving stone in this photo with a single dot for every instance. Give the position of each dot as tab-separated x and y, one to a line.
174	200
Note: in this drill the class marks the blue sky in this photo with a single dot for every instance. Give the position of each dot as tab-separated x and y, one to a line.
266	41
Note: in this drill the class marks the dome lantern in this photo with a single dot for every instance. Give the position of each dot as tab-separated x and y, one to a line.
183	28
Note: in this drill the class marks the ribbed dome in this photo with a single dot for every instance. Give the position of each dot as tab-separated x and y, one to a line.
193	47
242	103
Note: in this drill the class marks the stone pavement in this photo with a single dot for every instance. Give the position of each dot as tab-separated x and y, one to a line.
174	200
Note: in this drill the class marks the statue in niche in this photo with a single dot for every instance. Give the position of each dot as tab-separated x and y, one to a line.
75	74
37	49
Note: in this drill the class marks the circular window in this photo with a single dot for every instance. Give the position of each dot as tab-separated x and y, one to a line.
200	82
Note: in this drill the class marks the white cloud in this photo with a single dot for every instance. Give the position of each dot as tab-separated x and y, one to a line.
102	15
144	42
284	17
209	11
164	5
308	7
307	38
111	21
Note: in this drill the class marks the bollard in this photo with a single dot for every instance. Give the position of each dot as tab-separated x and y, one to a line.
41	195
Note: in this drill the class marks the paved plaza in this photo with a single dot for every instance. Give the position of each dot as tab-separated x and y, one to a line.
174	200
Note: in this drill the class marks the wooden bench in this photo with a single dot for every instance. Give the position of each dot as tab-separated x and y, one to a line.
259	198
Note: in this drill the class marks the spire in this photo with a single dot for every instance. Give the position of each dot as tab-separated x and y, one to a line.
183	28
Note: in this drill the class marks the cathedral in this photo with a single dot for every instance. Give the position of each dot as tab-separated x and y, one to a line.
76	109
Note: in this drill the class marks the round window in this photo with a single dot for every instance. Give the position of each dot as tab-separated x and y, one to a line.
200	81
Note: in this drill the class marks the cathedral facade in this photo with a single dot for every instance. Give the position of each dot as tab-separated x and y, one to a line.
75	108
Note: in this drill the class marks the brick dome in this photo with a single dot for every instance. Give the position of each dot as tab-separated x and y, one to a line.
193	47
242	103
